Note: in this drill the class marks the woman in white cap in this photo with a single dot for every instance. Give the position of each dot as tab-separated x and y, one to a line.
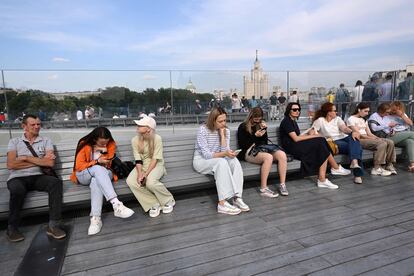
213	155
144	180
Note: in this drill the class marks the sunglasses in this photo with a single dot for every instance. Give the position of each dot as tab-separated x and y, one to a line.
295	109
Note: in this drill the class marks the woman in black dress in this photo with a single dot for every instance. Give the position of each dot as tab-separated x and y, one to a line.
311	148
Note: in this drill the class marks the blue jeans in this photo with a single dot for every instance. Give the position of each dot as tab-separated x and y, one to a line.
353	149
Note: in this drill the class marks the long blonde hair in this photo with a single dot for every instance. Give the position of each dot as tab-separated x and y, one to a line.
212	117
151	142
254	113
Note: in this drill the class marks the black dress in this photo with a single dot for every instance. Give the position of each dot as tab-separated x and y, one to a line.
312	153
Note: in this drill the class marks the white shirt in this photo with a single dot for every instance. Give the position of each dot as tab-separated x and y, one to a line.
360	124
79	115
330	129
357	93
383	122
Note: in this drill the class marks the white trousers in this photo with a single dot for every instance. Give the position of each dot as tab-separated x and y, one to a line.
227	172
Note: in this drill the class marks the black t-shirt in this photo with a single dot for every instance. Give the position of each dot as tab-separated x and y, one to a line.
287	126
282	99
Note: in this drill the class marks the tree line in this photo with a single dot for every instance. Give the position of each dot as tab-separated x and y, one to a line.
111	98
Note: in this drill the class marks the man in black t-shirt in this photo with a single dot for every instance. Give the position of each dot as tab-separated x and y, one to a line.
282	104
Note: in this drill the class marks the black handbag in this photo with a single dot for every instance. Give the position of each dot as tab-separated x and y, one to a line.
45	170
378	133
121	169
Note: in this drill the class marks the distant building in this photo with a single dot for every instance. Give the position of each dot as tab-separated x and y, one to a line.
277	89
79	95
257	84
190	86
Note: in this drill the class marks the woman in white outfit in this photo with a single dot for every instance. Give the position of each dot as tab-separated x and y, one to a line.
213	155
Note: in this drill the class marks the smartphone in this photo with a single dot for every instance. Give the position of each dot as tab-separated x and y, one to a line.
263	128
103	152
237	151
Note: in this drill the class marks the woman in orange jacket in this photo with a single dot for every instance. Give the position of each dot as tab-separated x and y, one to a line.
92	167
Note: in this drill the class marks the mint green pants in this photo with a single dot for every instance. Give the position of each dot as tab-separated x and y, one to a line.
405	139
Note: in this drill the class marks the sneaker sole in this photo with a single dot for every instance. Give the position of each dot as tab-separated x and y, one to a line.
55	237
327	187
265	195
167	212
16	240
93	233
341	174
228	213
127	216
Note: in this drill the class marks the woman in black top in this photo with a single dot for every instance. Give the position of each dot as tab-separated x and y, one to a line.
311	148
253	141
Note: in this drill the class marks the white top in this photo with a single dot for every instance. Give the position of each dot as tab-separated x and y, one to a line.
208	142
357	93
79	115
235	103
293	98
360	124
330	129
384	123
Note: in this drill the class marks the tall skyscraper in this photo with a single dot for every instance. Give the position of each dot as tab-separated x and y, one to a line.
257	84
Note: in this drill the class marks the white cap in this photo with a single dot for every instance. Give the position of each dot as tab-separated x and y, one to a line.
146	121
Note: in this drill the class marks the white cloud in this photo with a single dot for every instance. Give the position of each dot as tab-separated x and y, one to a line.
60	59
232	30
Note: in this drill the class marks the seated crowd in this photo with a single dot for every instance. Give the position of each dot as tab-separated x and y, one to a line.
30	155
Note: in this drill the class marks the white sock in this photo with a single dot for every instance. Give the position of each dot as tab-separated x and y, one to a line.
114	201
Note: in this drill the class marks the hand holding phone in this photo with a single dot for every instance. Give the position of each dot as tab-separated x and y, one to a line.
237	151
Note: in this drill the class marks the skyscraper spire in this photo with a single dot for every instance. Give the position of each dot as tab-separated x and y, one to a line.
257	55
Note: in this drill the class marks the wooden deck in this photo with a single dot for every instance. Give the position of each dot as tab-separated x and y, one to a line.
359	229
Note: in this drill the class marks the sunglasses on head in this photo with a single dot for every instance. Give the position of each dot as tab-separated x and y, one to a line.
295	109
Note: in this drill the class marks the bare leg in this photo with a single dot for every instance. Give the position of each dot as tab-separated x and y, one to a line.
322	171
332	162
280	157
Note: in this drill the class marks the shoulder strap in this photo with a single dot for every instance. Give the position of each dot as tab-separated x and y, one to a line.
31	148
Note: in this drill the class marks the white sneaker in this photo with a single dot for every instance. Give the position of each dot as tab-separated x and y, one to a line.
95	226
358	180
238	202
168	207
122	211
155	211
228	209
327	184
380	171
266	192
391	168
340	171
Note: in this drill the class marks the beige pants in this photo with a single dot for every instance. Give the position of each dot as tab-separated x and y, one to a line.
154	192
384	150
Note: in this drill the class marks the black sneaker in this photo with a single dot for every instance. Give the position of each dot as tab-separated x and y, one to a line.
14	235
56	233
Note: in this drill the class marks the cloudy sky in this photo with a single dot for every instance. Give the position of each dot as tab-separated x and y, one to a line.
354	35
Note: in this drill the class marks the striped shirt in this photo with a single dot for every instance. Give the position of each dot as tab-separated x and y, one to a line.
209	142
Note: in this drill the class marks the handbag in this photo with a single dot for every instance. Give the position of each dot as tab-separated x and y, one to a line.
121	169
333	147
45	170
269	148
378	133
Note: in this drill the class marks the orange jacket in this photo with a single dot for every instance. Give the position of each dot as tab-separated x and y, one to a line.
83	160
